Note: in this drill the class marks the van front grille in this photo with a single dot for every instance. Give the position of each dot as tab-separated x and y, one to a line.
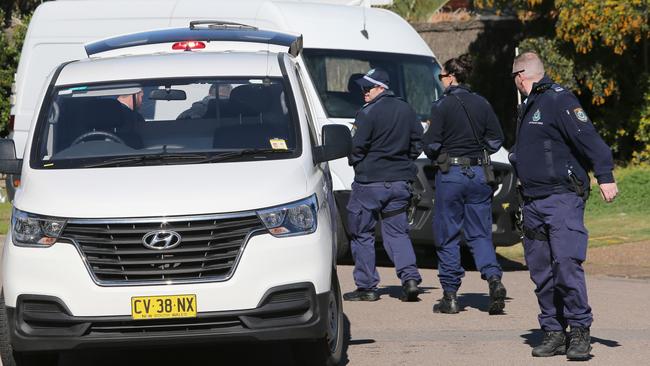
209	248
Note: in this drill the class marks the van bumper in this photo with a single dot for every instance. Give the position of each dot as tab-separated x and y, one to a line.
288	312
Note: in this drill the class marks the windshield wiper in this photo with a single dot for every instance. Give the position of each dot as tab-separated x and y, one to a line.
145	158
185	158
240	153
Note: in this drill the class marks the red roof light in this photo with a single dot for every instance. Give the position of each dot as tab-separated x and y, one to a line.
188	45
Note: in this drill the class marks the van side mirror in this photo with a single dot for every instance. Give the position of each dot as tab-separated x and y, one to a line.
8	162
337	143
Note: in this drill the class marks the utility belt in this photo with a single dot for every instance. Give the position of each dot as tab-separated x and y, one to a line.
465	161
576	186
410	207
444	162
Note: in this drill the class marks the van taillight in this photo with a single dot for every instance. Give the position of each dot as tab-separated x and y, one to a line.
16	182
10	123
188	45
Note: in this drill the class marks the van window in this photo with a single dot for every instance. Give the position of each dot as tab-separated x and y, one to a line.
413	78
160	122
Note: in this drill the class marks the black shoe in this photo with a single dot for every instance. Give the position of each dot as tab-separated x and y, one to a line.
410	291
361	295
447	305
497	296
554	343
579	344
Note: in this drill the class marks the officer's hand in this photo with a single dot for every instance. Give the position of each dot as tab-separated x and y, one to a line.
608	191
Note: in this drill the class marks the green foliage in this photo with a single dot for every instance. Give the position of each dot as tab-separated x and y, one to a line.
599	49
634	197
617	25
416	10
642	135
11	42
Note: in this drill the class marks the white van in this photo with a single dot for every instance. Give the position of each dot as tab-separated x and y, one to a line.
341	42
107	245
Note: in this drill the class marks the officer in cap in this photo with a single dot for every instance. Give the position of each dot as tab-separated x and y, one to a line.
464	132
386	140
556	145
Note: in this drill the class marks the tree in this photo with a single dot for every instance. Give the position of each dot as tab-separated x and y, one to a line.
599	49
416	10
11	42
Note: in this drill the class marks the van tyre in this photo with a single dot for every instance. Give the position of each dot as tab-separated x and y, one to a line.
342	242
330	350
13	358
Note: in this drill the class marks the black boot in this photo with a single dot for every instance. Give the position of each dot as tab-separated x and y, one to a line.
554	344
410	291
361	295
497	296
579	344
448	304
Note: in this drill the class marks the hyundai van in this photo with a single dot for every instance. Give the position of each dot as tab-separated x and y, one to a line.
178	197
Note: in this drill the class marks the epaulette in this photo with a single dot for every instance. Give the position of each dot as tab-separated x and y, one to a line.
557	88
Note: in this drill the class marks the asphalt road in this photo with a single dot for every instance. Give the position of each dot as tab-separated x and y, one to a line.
389	332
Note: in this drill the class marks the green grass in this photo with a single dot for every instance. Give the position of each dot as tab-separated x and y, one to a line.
625	220
5	216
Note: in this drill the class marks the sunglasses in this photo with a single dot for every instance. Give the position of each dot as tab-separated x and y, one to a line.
442	76
367	89
514	74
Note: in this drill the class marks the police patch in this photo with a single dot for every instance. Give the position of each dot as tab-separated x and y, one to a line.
537	116
580	115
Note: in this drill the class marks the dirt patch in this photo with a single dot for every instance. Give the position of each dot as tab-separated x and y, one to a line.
630	260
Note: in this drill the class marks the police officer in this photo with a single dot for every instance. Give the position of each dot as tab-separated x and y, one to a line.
463	125
556	145
386	140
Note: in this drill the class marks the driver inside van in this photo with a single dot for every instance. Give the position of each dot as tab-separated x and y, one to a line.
200	109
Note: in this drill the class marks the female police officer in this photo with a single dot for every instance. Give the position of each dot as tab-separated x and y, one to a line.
463	125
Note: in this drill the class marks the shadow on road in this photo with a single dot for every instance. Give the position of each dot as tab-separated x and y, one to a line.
396	291
478	301
534	338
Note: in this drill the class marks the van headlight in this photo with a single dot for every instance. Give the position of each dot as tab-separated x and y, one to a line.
34	230
296	218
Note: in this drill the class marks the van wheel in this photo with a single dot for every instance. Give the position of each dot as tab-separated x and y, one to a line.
13	358
327	351
342	242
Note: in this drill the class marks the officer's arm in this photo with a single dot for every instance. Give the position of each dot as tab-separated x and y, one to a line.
584	139
432	139
416	134
360	139
493	134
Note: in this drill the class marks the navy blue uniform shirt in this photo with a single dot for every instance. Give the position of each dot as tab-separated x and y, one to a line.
555	138
450	131
387	138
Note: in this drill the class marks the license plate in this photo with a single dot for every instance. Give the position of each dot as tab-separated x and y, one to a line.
159	307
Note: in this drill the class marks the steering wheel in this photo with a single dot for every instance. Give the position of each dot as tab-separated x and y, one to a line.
104	134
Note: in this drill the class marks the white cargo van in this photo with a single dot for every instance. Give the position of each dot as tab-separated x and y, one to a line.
109	247
341	42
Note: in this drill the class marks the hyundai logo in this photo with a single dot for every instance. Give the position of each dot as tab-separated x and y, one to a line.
161	239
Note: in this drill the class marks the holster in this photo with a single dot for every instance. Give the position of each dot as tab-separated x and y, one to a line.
579	187
488	169
442	162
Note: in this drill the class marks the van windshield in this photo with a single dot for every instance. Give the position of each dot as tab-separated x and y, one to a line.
413	78
160	122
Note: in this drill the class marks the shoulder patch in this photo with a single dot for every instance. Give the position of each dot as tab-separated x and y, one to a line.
580	115
558	88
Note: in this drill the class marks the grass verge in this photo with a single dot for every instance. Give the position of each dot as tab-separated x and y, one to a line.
623	221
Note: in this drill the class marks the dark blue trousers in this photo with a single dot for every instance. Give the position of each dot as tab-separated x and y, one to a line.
556	265
367	202
463	201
